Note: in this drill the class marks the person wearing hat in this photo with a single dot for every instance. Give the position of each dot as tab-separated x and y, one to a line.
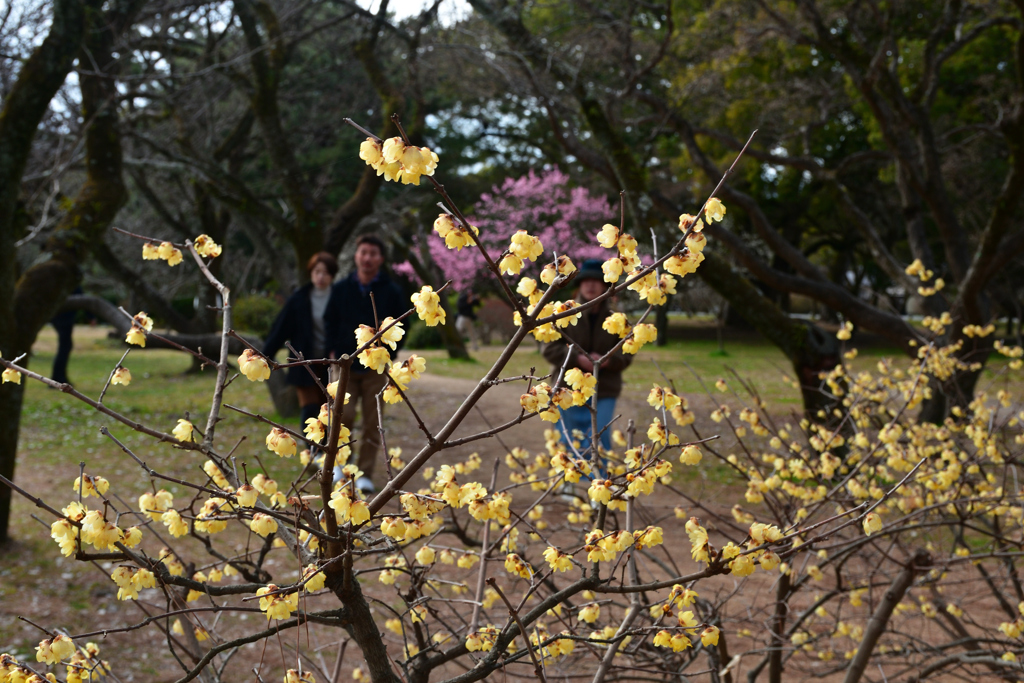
592	342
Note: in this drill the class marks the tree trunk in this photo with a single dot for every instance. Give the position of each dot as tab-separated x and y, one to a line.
38	294
958	390
23	108
810	349
360	624
11	397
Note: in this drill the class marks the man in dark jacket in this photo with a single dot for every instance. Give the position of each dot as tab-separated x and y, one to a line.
593	342
350	307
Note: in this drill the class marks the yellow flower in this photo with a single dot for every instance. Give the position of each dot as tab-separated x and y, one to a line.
685	263
205	246
590	613
526	246
680	642
742	566
467	560
264	484
359	512
316	579
175	258
583	382
426	555
600	491
150	252
121	376
511	265
643	333
612	269
714	210
649	537
454	235
769	561
314	429
418	161
627	246
280	442
657	433
608	236
90	486
516	565
263	524
11	375
393	334
686	220
616	323
558	560
246	495
710	635
691	455
482	640
393	527
183	431
375	358
428	306
527	287
52	651
253	366
277	606
370	151
393	149
156	504
165	250
136	337
144	321
872	523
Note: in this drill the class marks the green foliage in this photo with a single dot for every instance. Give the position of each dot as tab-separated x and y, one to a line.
420	336
255	314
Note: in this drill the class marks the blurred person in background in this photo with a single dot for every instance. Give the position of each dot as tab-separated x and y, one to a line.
592	342
465	320
301	322
352	306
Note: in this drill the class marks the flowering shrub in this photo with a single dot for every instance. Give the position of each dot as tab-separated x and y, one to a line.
864	539
541	204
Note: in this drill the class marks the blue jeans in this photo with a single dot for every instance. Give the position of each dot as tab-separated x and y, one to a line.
578	417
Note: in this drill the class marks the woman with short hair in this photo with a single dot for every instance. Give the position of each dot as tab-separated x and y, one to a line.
301	322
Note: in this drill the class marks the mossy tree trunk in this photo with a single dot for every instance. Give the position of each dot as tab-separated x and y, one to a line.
24	107
29	302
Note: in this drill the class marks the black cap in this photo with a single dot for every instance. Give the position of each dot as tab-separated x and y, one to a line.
590	270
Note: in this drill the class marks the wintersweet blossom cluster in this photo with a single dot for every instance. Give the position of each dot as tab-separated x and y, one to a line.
10	375
397	161
254	366
428	306
832	503
141	324
165	251
373	354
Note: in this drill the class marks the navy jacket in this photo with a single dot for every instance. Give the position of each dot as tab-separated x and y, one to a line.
295	324
349	308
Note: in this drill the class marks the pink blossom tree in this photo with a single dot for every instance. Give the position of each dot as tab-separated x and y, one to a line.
565	219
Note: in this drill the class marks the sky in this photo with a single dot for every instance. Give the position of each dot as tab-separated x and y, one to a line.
449	12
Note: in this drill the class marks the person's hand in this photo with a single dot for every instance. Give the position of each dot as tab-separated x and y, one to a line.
594	356
584	363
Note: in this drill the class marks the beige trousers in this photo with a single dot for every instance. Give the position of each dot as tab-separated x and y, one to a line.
363	388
